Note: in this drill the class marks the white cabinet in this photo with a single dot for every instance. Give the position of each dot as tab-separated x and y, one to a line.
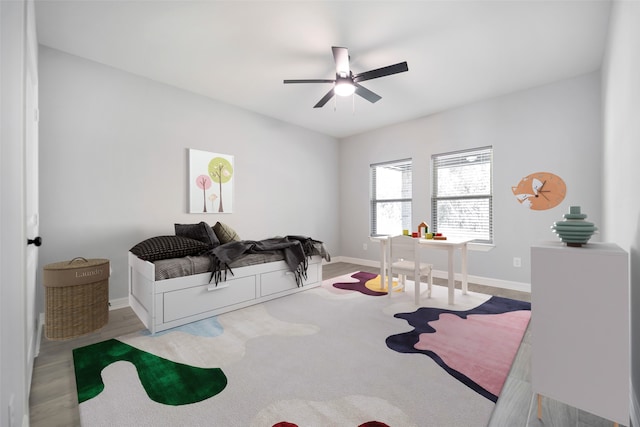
580	327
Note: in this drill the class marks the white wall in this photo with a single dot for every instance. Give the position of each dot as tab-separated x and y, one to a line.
554	128
621	109
114	165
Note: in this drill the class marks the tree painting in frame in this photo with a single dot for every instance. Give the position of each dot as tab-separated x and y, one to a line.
210	182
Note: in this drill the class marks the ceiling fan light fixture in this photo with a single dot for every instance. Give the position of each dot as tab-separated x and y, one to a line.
344	87
346	84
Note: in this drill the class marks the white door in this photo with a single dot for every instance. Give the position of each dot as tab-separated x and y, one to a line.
17	297
31	191
15	339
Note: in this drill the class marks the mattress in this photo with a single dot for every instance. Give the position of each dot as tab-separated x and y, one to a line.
189	265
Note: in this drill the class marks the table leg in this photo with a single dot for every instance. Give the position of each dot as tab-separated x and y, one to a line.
465	284
451	276
539	406
383	266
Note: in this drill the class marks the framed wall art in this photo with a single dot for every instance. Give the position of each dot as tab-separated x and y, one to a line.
210	182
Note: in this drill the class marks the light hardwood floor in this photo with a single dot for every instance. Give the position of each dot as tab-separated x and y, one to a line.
53	400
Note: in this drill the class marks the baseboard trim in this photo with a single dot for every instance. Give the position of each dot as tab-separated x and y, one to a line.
350	260
496	283
118	303
441	274
39	334
634	407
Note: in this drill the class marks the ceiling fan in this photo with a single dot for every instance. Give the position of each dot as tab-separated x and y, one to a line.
346	83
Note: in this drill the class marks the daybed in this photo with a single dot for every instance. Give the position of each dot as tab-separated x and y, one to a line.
173	286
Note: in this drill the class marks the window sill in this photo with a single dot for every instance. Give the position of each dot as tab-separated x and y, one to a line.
480	247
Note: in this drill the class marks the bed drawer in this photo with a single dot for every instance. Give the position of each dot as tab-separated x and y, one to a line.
283	280
196	300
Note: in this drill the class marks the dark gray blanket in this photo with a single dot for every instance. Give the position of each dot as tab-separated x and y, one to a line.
295	249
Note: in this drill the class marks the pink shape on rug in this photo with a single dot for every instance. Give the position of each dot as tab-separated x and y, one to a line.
482	346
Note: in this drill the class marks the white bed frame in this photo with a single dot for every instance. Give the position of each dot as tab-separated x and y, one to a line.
165	304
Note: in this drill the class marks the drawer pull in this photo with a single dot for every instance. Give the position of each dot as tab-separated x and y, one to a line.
213	287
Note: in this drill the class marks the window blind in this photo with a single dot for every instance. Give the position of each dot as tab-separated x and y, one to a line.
391	197
462	199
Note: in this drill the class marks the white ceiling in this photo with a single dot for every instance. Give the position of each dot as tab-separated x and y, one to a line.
239	52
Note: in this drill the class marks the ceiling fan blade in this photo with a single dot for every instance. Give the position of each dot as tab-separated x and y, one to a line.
381	72
367	94
309	81
324	99
341	57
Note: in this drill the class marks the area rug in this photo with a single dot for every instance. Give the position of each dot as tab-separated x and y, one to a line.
343	354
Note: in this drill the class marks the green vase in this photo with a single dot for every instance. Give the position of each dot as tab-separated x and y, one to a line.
574	230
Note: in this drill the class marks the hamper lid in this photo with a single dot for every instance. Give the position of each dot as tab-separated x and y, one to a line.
78	271
77	262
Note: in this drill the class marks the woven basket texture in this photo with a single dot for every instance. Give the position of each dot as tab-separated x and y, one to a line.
77	309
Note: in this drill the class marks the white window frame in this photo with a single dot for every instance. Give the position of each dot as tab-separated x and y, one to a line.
478	226
403	198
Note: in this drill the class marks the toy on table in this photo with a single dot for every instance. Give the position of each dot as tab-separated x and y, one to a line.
423	229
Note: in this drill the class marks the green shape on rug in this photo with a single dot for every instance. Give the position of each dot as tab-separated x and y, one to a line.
165	382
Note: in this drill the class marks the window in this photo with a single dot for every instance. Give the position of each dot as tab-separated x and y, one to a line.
390	197
461	201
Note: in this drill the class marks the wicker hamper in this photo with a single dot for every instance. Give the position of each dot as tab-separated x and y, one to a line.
77	297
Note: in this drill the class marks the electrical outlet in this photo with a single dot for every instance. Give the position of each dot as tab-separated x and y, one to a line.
364	246
517	262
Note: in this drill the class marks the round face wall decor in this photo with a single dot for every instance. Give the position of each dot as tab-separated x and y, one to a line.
540	191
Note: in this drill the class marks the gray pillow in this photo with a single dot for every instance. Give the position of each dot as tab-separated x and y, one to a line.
201	232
